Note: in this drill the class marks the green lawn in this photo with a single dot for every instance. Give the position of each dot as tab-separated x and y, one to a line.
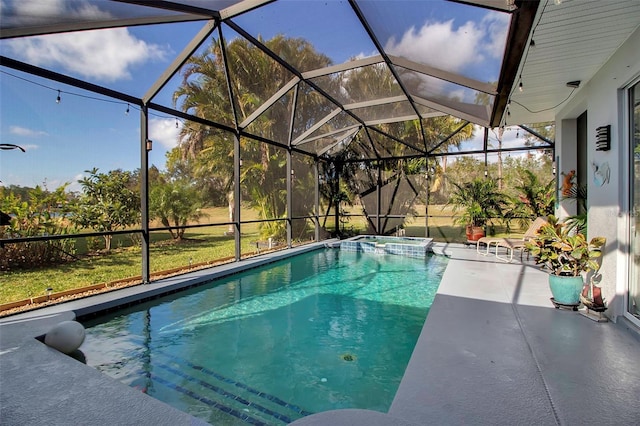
201	245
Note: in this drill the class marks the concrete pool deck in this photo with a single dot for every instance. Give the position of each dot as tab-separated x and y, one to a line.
492	351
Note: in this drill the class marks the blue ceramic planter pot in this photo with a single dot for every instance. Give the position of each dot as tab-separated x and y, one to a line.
566	290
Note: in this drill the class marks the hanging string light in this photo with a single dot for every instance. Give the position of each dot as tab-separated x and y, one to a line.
93	98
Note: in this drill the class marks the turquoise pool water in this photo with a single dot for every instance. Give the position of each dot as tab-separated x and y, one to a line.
323	330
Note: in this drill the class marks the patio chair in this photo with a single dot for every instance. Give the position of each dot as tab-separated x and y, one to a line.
487	241
512	244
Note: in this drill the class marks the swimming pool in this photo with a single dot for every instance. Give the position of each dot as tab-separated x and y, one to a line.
323	330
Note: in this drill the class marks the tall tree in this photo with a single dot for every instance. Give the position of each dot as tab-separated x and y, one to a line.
254	78
107	202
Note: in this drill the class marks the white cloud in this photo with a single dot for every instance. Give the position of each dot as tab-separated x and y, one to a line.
38	11
23	131
34	12
444	46
439	44
473	49
26	13
105	55
497	26
164	131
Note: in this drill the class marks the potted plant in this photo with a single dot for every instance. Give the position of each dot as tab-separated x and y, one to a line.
566	255
479	201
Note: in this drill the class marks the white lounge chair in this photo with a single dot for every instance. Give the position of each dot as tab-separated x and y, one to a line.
510	244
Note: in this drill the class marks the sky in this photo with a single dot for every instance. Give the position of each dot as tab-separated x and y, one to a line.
82	130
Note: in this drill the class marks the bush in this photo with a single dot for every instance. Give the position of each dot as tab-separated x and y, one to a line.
36	253
43	214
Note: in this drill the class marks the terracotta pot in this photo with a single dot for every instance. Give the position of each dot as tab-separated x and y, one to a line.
474	233
595	298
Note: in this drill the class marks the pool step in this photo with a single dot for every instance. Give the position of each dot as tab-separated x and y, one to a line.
242	402
254	408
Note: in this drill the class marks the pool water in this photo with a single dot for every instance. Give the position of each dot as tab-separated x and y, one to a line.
319	331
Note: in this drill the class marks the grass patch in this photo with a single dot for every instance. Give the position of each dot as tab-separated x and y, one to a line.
205	244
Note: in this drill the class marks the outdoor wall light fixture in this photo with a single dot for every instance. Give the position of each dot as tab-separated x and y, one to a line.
149	144
603	138
573	84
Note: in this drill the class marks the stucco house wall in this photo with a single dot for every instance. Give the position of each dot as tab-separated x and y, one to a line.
608	204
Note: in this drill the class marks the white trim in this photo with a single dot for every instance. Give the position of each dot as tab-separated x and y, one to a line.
626	187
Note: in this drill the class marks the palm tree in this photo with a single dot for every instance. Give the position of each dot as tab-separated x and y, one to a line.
254	78
175	203
536	198
480	201
437	129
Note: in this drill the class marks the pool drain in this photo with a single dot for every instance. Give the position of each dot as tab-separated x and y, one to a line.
348	357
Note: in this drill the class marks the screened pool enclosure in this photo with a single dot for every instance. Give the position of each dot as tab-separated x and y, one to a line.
236	127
